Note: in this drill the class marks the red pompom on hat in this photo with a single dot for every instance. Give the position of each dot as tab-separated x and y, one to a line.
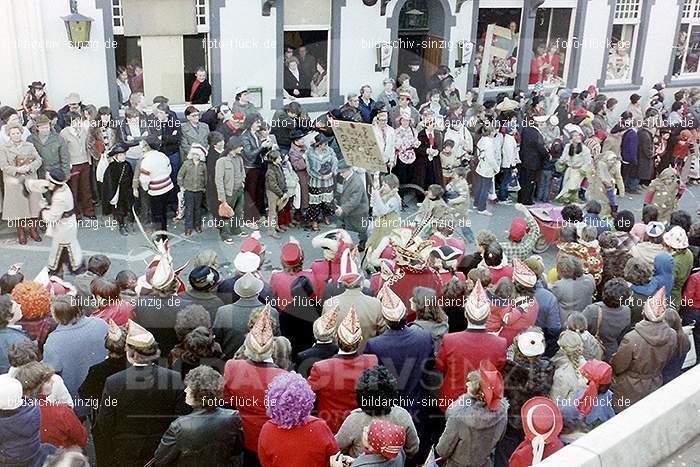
518	229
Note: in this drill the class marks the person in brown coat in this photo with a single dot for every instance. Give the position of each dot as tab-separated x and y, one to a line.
643	354
276	188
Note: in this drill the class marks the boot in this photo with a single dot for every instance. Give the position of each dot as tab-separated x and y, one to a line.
122	230
21	236
34	234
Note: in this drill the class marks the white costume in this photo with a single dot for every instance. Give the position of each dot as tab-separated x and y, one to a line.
155	173
386	143
62	227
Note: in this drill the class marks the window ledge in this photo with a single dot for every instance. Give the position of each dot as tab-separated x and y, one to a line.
683	81
619	87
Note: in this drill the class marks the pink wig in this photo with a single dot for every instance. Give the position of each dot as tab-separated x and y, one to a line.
289	400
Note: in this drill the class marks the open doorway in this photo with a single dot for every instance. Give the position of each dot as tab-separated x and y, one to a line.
421	35
194	54
127	54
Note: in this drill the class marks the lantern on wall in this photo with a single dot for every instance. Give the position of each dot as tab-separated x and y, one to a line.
77	26
383	56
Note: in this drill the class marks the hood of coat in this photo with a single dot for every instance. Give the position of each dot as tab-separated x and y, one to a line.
475	414
655	334
21	426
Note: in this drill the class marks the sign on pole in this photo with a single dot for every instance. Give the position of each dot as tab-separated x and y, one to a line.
359	145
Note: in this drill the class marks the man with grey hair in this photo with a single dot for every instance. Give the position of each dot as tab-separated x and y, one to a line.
350	111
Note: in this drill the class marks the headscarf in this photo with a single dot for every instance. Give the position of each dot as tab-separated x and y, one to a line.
662	277
597	373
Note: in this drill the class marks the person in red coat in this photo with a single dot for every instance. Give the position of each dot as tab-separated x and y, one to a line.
522	312
245	382
334	379
292	258
542	423
497	263
461	352
412	268
111	306
59	424
292	437
326	270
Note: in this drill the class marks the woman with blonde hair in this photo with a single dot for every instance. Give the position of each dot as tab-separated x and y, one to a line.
568	362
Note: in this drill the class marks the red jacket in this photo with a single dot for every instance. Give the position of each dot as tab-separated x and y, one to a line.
498	273
428	277
519	319
321	271
522	457
121	312
334	380
308	445
460	353
60	426
245	383
375	283
446	276
691	293
281	284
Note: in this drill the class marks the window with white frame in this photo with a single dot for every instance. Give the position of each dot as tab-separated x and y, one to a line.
117	17
202	15
686	50
307	33
623	40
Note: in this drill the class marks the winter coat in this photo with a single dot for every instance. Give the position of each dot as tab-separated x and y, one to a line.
20	443
60	426
533	153
639	361
615	322
471	432
349	436
169	134
682	266
573	294
16	204
190	135
202	438
428	172
371	319
308	445
253	152
645	154
377	460
524	380
353	200
8	337
229	176
53	152
192	177
275	180
567	378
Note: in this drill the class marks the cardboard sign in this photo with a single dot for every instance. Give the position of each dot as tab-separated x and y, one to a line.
359	145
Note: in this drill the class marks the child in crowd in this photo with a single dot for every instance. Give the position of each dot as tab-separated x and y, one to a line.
277	194
192	180
117	192
577	322
681	149
449	160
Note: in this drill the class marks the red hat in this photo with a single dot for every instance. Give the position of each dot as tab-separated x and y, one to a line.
541	419
386	438
491	384
597	373
518	229
253	244
291	253
601	135
238	117
592	89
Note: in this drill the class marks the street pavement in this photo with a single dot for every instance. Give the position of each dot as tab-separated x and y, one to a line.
130	252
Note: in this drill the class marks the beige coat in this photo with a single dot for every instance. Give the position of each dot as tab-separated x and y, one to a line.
369	312
639	361
17	204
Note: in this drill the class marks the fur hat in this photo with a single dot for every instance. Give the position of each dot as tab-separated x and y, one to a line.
324	326
393	309
350	331
332	242
289	400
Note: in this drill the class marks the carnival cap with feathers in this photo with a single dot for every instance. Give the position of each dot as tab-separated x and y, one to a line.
350	331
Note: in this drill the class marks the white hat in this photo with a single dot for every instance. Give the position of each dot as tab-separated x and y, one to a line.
676	238
10	393
246	262
240	89
350	331
654	229
554	120
531	343
540	118
393	309
477	306
248	286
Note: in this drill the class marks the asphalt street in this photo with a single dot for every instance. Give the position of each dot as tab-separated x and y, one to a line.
102	236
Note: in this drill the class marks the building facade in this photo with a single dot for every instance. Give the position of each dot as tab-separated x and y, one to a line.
621	46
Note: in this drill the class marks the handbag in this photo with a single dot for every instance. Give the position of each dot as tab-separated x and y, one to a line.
597	331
